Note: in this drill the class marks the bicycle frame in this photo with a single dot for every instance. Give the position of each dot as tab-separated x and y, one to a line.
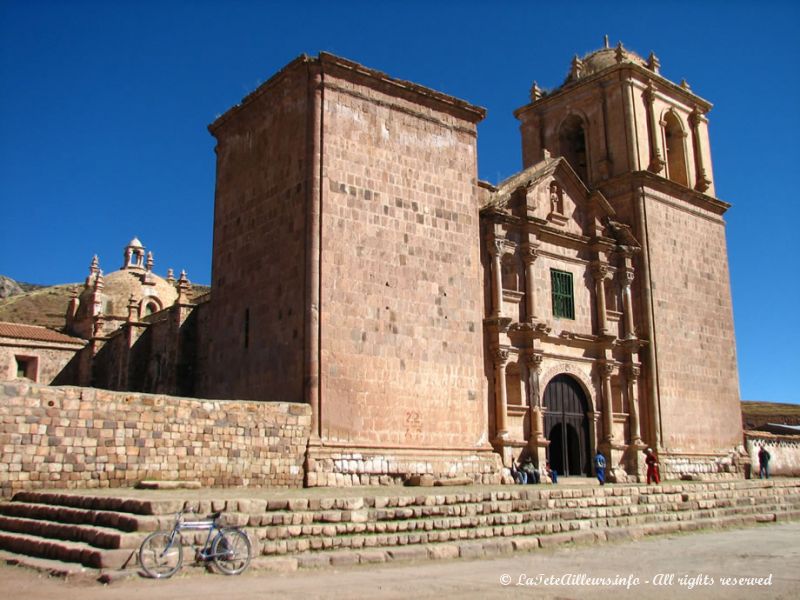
210	525
228	548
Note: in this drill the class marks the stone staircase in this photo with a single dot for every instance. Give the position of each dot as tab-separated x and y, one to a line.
92	535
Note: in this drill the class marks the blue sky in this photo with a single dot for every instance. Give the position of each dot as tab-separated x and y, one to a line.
104	108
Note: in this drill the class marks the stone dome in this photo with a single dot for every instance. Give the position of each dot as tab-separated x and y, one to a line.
147	289
135	285
601	59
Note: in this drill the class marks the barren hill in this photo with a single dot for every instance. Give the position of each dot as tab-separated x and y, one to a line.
44	306
755	414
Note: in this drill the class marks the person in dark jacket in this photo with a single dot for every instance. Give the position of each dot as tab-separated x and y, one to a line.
600	467
763	463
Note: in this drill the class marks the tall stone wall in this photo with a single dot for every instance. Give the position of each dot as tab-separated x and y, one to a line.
256	321
68	437
693	320
401	312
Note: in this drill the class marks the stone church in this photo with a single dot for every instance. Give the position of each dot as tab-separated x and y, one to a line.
439	324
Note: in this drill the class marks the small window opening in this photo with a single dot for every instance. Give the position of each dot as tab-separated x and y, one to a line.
26	367
572	144
676	153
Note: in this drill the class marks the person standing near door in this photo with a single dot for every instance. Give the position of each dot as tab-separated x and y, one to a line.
600	467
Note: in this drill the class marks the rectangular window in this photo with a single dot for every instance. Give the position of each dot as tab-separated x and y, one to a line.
563	298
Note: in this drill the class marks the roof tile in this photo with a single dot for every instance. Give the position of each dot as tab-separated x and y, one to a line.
34	332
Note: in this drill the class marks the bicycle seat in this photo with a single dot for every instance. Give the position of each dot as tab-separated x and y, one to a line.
214	516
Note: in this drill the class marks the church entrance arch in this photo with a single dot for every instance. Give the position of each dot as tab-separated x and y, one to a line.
567	426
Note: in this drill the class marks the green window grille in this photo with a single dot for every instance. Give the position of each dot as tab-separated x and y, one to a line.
563	298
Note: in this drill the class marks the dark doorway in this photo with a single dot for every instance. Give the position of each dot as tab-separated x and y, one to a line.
567	424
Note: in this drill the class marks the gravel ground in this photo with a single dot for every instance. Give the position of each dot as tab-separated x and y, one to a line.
757	562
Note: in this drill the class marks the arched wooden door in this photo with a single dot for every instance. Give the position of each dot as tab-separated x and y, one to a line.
567	425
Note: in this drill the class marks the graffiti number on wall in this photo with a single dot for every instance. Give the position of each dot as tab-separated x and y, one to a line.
413	422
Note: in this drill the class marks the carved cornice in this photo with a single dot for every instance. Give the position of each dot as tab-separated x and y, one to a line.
606	369
500	357
626	277
675	193
657	163
703	182
529	252
649	94
534	361
497	247
696	117
600	270
497	324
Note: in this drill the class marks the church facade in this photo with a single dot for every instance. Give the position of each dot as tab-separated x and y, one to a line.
437	321
437	324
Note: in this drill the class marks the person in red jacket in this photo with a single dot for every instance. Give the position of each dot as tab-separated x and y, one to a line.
652	467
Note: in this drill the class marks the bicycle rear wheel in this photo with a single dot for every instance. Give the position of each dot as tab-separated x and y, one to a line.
231	551
161	554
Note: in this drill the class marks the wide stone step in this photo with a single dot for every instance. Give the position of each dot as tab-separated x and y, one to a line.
52	568
79	516
287	525
99	537
313	539
137	506
480	546
66	551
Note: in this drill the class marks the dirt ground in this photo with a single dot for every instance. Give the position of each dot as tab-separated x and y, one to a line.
758	562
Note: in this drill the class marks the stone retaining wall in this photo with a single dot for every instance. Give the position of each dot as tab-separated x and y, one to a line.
69	437
340	467
707	468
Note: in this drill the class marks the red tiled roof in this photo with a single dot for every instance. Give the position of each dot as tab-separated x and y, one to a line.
34	332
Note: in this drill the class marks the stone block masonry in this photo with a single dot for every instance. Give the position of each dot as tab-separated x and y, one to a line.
69	437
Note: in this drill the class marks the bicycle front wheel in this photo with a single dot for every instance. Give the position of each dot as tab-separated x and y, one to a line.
161	554
231	551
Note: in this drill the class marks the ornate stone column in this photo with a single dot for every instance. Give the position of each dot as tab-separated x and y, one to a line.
534	363
656	161
537	442
627	304
529	255
496	248
633	400
606	371
500	357
702	181
599	272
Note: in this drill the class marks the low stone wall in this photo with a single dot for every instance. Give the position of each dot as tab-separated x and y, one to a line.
344	467
69	437
702	467
784	451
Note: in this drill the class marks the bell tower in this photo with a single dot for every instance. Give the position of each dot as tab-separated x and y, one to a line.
615	114
642	141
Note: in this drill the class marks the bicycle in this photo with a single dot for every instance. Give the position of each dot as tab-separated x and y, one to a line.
229	548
